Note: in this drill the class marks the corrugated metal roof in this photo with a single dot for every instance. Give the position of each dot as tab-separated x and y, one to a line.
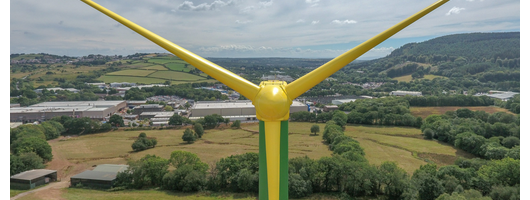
111	168
96	175
33	174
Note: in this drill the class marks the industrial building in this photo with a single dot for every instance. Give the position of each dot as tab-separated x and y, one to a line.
149	115
341	101
234	109
32	178
502	95
47	110
404	93
148	108
103	176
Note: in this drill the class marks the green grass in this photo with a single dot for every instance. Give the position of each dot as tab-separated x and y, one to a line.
177	76
177	67
426	111
131	79
115	146
132	72
156	67
408	78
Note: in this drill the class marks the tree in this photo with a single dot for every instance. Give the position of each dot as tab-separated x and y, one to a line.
143	143
176	119
315	129
236	124
428	134
189	136
148	171
227	121
25	162
168	108
33	144
340	118
510	142
197	127
116	121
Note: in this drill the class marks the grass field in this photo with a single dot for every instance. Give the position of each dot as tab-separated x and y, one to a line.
177	76
131	79
177	67
132	72
402	145
408	78
88	194
426	111
115	146
155	67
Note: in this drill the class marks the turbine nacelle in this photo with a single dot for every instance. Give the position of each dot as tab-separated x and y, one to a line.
272	102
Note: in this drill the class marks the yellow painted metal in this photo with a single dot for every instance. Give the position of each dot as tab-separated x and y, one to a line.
272	143
311	79
239	84
271	102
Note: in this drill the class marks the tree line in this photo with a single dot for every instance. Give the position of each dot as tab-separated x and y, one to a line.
490	136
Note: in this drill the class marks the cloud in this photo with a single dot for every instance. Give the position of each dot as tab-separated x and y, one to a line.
188	5
454	10
473	0
312	2
243	22
347	21
315	22
300	21
261	4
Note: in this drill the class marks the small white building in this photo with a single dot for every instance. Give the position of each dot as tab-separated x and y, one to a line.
404	93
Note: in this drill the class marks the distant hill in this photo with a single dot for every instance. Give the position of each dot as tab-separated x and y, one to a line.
452	55
469	45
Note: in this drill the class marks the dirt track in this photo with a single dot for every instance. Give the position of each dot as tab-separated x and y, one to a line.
65	169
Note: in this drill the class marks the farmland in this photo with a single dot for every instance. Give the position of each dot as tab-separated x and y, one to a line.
132	72
408	78
131	79
171	75
426	111
399	144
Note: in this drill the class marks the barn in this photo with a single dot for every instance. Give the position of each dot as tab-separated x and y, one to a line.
32	178
103	176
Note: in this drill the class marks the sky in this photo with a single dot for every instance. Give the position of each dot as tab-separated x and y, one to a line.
246	28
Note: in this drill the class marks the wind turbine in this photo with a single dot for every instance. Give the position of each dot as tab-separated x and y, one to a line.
272	99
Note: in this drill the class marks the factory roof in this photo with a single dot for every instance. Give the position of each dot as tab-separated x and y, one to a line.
160	114
32	174
78	103
235	116
231	104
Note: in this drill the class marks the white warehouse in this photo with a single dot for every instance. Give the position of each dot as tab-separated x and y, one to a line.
404	93
233	108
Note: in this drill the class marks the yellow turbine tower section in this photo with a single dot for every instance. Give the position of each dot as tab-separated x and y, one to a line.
272	99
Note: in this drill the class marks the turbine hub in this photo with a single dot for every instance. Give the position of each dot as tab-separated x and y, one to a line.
272	102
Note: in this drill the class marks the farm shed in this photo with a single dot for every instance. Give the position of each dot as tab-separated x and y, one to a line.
32	178
103	176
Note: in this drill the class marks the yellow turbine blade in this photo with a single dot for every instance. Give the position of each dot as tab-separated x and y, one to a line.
239	84
306	82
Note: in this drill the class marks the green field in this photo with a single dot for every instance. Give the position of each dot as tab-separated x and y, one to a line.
426	111
402	145
132	72
155	67
215	144
177	76
88	194
131	79
408	78
177	67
